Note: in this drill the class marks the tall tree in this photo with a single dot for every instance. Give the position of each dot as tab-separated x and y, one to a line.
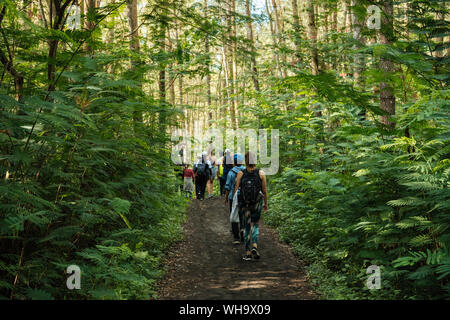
356	28
312	33
297	30
252	51
234	64
134	45
274	40
386	37
208	63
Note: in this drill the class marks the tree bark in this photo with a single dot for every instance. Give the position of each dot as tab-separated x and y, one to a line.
387	97
358	58
274	40
279	34
90	9
134	47
208	76
57	21
234	62
312	33
254	69
297	30
230	47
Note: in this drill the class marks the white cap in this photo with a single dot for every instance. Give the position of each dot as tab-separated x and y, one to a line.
227	150
204	153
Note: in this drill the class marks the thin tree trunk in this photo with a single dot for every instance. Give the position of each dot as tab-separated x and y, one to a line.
171	73
234	62
279	34
91	5
57	14
387	97
312	33
208	76
358	58
297	30
231	65
274	40
134	46
253	67
347	16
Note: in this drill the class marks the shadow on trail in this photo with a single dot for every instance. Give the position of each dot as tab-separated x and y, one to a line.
206	265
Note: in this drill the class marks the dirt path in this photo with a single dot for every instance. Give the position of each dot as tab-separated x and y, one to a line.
206	265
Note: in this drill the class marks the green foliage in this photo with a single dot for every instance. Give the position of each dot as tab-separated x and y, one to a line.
81	180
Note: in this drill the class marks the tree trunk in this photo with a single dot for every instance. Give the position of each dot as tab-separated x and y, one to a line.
358	58
134	46
57	20
347	16
251	49
208	76
274	39
312	33
279	34
231	65
234	62
297	30
387	98
91	5
133	24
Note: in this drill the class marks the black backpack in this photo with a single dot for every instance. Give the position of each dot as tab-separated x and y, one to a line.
250	188
201	169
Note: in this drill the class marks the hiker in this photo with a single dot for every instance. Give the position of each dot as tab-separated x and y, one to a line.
188	181
238	236
179	174
227	163
220	175
202	173
251	183
213	165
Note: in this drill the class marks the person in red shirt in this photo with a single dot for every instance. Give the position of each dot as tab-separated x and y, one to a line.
188	181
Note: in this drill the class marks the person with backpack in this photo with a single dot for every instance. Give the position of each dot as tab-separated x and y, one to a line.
238	236
202	173
227	162
252	195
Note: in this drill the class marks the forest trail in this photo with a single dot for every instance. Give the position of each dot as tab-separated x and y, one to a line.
206	265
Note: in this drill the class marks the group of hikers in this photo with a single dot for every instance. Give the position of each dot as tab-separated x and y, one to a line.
244	188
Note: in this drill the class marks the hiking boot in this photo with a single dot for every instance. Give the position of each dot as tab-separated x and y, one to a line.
236	241
255	254
247	257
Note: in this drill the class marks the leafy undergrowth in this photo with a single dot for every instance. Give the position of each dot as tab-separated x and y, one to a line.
87	185
363	197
